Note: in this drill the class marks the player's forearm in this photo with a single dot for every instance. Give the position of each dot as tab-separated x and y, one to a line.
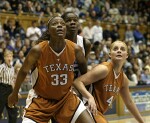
82	89
135	112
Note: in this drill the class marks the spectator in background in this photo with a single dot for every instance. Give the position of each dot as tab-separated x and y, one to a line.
114	10
8	41
104	14
73	8
2	49
130	46
59	7
115	32
29	8
132	76
18	46
107	44
97	32
137	65
107	5
129	33
143	51
107	33
20	58
42	23
10	25
138	36
87	31
27	43
87	3
38	10
14	4
125	17
19	10
145	76
43	26
147	36
92	61
2	3
20	30
33	32
97	49
6	7
147	62
47	11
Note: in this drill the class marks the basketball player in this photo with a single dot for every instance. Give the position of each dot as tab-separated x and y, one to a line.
72	25
52	68
108	80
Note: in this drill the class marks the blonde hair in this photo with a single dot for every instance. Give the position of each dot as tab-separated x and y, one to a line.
111	46
17	66
8	52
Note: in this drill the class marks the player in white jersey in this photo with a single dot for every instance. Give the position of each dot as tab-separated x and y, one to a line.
72	25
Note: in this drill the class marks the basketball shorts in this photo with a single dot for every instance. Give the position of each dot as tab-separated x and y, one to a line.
100	118
40	110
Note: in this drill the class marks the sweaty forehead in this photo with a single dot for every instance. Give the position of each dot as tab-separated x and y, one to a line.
56	18
119	44
71	15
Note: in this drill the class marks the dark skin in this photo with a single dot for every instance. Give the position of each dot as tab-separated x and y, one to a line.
57	31
72	25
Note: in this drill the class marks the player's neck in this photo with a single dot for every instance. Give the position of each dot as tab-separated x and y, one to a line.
72	38
57	46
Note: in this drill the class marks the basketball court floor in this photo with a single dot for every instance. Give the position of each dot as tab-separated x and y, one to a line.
130	120
125	120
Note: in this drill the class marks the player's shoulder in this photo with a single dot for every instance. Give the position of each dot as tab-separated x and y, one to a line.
79	37
36	49
87	43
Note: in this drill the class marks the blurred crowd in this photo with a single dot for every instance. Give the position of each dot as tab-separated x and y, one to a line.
92	16
118	11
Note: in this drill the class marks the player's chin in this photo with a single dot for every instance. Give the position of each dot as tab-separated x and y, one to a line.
119	59
61	35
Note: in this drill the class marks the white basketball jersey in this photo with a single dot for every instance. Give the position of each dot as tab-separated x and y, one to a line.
76	67
80	43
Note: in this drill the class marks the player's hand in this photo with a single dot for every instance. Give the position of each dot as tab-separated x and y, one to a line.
92	105
12	100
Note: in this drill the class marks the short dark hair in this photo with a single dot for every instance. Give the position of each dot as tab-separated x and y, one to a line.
64	15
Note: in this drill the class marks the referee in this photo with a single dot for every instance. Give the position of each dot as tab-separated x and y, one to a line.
6	86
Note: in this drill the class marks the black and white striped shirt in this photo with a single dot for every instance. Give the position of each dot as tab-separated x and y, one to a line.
6	74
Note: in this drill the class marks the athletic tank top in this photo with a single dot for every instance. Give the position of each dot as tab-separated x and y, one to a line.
77	72
106	90
54	75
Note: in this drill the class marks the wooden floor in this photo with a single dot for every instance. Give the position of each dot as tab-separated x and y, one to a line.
130	120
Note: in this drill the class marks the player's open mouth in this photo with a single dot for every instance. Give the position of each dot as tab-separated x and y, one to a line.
60	31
